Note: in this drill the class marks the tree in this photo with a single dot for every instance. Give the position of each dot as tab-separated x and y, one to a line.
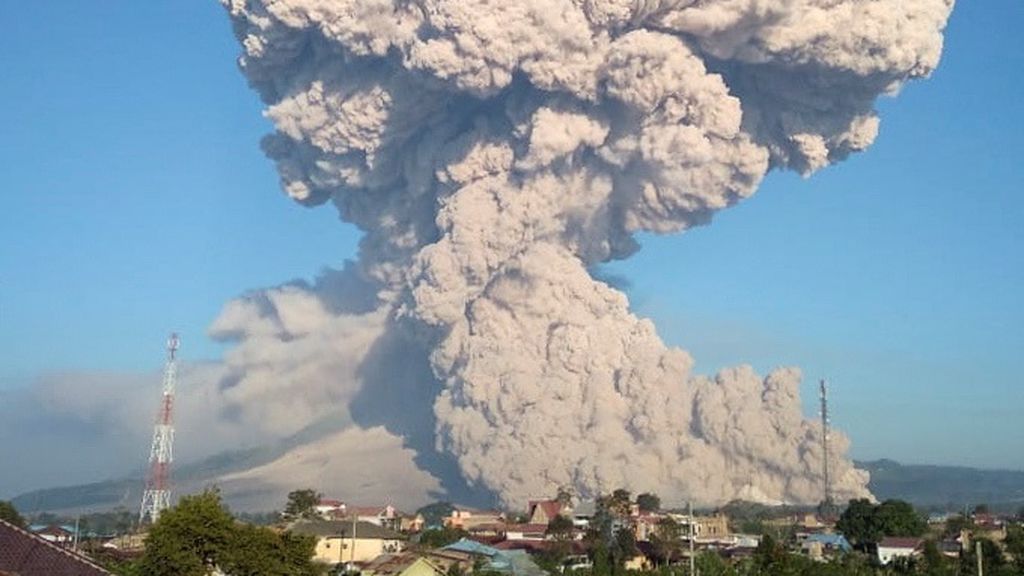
188	538
933	563
648	502
856	522
302	503
10	514
991	556
898	518
199	536
256	550
1014	544
957	524
666	540
560	531
434	514
865	523
618	503
439	537
564	497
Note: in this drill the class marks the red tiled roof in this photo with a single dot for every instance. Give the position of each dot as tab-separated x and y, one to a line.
551	508
26	554
893	542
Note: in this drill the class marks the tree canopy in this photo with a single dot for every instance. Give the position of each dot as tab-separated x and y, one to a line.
199	535
865	523
648	502
9	513
302	503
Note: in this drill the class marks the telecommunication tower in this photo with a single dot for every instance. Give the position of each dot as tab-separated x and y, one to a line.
157	496
827	502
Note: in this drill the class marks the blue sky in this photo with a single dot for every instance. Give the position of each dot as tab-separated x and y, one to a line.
134	200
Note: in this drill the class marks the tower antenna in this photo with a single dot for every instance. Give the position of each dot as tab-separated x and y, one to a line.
157	496
828	506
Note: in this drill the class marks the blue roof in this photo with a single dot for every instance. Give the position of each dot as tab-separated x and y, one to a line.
473	547
833	540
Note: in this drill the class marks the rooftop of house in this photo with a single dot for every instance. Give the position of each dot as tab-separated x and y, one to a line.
344	529
831	540
900	542
551	508
25	554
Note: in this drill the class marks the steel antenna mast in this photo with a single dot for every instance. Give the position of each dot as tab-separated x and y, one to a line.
157	496
825	433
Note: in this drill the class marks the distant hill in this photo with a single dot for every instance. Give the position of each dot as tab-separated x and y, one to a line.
930	487
945	487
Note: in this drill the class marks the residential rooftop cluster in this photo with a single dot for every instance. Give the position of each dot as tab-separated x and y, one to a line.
611	536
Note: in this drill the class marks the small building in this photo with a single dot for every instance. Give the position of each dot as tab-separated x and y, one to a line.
386	516
467	518
891	548
344	541
23	553
583	513
402	565
535	532
824	545
544	511
490	559
330	509
54	533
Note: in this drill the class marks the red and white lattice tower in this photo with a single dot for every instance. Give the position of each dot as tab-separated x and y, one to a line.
157	496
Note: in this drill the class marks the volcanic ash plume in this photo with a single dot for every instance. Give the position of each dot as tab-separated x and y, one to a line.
493	152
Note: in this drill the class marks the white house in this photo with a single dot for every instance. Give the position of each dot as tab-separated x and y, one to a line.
891	548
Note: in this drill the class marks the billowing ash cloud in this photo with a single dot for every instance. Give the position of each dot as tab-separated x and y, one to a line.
492	152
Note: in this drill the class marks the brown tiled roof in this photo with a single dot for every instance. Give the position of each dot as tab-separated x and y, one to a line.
529	528
343	529
893	542
25	554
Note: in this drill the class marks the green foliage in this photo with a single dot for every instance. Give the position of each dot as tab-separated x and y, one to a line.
255	550
302	503
992	560
438	537
711	564
434	514
666	540
648	502
957	523
1014	544
200	535
560	528
865	523
9	513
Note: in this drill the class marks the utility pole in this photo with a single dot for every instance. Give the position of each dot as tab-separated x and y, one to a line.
828	506
352	560
157	496
693	560
977	552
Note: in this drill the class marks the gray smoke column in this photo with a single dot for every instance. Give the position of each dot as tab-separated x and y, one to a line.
492	151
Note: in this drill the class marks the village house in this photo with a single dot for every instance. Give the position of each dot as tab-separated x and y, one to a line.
824	545
385	516
583	513
891	548
341	541
534	532
329	509
544	511
53	533
406	564
468	518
